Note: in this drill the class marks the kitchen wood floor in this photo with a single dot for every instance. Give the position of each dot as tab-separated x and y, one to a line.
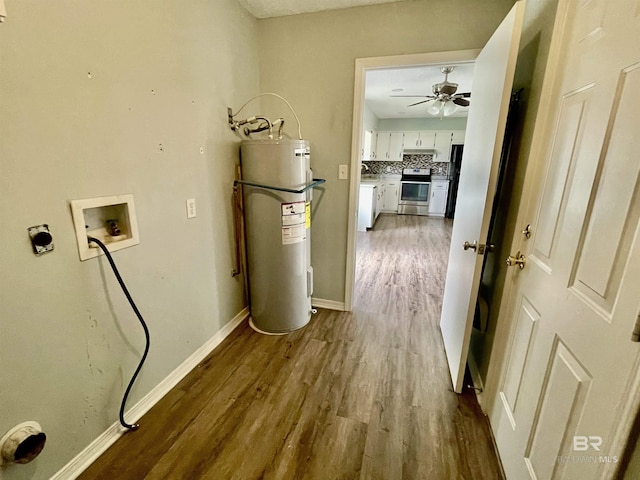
360	395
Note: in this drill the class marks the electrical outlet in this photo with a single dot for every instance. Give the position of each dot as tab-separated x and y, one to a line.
343	172
191	208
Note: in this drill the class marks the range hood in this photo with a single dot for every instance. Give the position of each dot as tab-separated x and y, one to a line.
420	150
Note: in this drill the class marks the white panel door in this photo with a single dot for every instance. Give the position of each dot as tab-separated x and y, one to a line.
492	82
569	383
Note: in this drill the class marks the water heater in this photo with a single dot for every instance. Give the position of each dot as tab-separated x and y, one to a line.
277	185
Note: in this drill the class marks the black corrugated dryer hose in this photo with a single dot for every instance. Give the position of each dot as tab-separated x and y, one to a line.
142	322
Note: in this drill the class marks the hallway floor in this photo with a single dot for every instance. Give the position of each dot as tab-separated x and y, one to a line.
360	395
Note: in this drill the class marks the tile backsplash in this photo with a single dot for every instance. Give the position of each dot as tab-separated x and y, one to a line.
409	161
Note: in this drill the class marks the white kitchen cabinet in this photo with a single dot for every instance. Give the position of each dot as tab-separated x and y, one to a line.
368	140
423	140
369	204
391	195
389	146
443	145
457	137
395	146
382	146
438	200
374	145
379	199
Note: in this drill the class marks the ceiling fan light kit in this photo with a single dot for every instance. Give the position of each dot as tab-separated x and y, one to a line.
445	100
435	107
449	109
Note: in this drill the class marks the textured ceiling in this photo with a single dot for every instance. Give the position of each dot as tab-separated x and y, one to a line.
281	8
413	81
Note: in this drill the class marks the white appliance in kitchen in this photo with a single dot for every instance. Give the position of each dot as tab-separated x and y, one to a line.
415	190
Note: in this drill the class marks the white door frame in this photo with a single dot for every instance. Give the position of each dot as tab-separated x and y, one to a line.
361	67
544	124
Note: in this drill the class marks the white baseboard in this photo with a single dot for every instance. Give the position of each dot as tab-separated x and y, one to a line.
329	304
96	448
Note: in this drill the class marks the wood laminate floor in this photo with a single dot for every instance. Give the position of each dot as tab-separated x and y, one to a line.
360	395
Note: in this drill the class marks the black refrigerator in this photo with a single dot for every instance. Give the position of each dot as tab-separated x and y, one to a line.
454	179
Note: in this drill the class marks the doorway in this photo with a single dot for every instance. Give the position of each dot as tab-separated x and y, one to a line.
360	124
404	126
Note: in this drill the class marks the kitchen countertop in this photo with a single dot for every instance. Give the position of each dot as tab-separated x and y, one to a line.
372	177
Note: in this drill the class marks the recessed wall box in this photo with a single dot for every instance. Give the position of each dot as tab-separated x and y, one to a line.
41	239
112	220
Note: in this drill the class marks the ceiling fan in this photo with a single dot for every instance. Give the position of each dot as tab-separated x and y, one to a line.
444	100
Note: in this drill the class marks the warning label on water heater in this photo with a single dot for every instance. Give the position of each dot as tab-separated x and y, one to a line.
294	218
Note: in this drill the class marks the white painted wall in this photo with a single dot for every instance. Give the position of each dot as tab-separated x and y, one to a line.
310	60
369	119
160	73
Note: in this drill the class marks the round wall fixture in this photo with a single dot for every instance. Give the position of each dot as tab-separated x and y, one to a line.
22	443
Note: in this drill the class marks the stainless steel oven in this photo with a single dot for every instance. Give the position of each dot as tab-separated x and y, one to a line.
415	191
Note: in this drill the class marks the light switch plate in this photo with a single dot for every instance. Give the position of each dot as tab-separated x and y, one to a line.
191	208
343	172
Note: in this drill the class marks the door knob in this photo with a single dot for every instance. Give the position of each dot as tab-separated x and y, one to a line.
517	259
472	246
480	248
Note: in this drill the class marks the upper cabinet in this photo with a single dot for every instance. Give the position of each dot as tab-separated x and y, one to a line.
395	146
389	147
444	140
368	142
443	145
423	140
458	137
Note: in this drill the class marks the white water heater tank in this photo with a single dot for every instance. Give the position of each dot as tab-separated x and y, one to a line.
277	228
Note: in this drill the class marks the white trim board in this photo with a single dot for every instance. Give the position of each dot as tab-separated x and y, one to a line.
86	457
328	304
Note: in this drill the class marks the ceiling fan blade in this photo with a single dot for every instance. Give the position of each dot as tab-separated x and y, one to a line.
461	101
418	103
465	94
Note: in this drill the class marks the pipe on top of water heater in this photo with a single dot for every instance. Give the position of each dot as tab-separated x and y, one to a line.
236	124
